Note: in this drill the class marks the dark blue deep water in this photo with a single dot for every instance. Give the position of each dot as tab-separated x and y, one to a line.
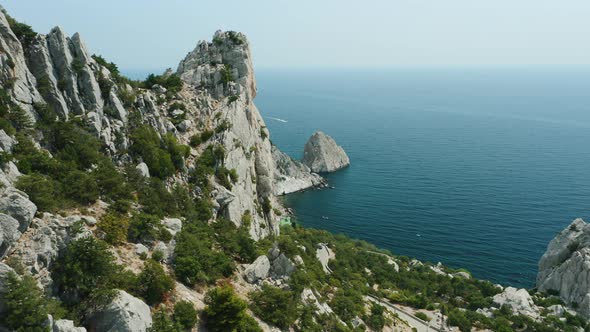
473	168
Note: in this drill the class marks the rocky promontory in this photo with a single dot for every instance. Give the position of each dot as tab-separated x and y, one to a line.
565	267
322	154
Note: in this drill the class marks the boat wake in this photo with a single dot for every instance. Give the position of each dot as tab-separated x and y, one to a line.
277	119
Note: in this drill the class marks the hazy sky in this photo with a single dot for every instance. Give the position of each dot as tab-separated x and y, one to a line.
151	34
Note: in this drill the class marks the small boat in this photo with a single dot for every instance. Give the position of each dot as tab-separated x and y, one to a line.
325	218
332	187
418	235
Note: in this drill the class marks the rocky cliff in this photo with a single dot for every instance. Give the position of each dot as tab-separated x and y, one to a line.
565	267
120	200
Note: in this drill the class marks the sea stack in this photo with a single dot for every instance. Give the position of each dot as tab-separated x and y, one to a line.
565	267
321	154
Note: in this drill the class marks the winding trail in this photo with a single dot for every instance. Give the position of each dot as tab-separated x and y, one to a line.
413	321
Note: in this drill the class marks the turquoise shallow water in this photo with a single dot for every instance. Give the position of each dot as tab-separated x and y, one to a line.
473	168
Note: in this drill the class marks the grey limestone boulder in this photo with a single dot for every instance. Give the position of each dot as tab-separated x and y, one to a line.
124	314
519	301
258	270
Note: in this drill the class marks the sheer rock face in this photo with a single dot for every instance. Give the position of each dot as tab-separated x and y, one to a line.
565	266
14	70
322	154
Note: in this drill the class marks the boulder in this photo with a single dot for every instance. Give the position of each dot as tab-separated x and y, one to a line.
165	248
9	233
141	249
556	310
143	169
258	270
65	325
16	203
519	301
280	265
565	267
124	314
6	142
173	225
322	154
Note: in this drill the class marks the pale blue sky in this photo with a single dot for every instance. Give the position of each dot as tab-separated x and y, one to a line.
153	34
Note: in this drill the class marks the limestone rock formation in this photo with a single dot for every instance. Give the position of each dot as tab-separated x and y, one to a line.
124	314
258	270
519	300
280	265
322	154
292	175
565	266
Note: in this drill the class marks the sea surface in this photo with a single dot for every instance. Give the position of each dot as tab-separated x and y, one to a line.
475	168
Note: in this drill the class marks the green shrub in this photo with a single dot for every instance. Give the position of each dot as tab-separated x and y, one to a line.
114	227
41	190
25	34
377	320
185	315
232	99
223	126
235	38
194	259
172	83
80	187
162	323
459	319
162	156
225	311
226	75
154	283
105	85
422	316
26	307
147	228
86	274
235	242
275	306
158	255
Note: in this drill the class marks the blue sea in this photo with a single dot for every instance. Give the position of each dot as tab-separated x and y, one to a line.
475	168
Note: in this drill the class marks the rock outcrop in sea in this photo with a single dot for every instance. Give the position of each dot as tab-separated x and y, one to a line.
321	154
565	267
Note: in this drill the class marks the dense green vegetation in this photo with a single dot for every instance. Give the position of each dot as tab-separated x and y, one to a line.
172	82
162	155
276	306
154	284
185	314
225	311
26	305
86	275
